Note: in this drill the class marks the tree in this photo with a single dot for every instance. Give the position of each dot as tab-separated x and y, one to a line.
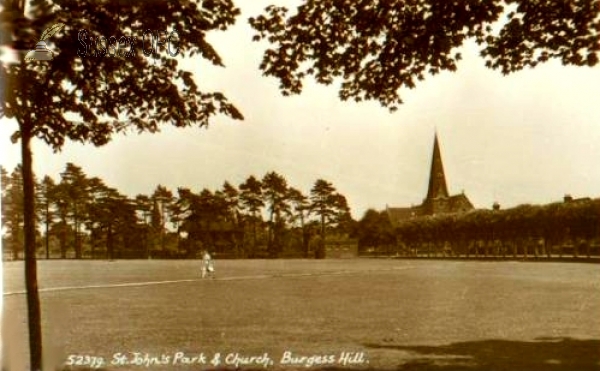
205	217
230	197
100	96
112	221
331	208
117	216
4	181
251	198
301	207
61	200
162	199
343	220
74	185
375	230
5	185
12	209
143	205
46	190
184	204
97	191
375	48
206	212
275	194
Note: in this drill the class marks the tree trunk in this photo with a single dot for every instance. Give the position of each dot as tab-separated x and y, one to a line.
253	252
587	249
93	242
561	246
147	242
321	248
305	245
47	230
276	243
16	242
63	239
77	242
33	299
270	235
109	244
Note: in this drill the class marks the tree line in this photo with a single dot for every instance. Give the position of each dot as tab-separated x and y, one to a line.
79	216
570	228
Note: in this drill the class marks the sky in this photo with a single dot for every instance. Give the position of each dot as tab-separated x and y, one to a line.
530	137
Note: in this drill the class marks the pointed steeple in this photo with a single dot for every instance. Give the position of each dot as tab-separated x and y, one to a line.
437	179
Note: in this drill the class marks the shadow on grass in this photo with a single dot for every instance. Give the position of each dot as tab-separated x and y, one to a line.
544	354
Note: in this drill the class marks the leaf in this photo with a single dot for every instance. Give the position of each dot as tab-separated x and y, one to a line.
592	59
50	31
14	138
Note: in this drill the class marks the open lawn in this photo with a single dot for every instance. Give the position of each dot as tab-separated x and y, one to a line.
382	313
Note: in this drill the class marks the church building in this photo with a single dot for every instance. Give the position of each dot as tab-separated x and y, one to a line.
438	200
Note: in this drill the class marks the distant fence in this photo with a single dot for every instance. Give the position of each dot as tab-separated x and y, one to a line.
492	251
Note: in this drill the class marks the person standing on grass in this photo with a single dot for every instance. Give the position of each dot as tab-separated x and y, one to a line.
208	268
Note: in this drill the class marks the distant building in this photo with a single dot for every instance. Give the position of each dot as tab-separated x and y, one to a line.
437	201
568	199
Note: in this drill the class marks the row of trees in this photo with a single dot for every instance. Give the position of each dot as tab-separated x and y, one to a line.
80	216
570	227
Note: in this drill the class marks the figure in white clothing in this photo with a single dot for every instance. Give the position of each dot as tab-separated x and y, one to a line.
208	267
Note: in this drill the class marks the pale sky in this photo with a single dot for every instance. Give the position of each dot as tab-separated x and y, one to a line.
530	137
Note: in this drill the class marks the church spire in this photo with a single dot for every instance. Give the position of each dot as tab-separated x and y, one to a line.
437	179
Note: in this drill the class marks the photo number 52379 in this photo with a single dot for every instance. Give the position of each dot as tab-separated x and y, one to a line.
85	361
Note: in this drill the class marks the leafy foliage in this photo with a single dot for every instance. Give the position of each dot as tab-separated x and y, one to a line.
251	200
88	99
377	47
275	193
375	230
556	224
103	95
330	207
83	217
45	198
12	209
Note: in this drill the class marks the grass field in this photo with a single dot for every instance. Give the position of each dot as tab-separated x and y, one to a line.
382	313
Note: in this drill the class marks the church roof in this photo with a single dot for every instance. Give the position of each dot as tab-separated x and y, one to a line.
438	200
401	213
437	179
458	201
